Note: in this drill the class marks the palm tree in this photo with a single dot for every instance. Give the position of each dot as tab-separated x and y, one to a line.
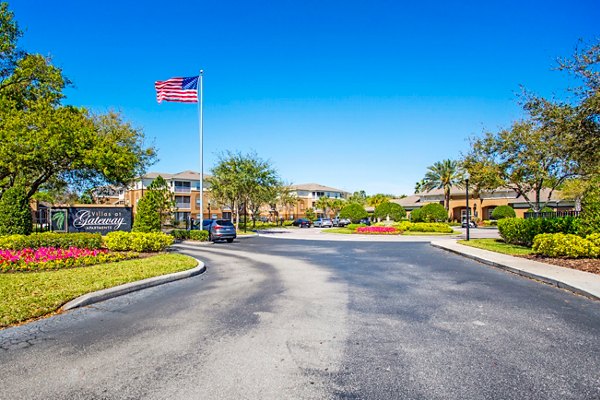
419	186
323	204
443	175
377	199
287	198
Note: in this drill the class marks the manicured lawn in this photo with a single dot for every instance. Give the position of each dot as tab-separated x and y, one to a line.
27	295
498	246
337	230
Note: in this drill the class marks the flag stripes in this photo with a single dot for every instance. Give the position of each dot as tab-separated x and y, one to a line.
181	90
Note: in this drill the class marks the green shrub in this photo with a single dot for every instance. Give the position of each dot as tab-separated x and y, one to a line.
395	211
522	231
354	212
488	222
353	227
502	212
415	215
288	223
51	239
590	204
430	227
406	226
137	241
594	238
432	212
180	234
201	236
564	245
15	213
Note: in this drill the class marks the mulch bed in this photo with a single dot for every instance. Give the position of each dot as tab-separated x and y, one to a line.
583	264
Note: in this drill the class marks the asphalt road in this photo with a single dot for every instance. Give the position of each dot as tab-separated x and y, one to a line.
302	319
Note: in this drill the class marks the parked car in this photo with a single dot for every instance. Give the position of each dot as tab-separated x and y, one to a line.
205	224
365	221
323	223
341	222
472	224
221	229
302	223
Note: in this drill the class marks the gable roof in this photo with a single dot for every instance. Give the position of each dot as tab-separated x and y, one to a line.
315	187
188	175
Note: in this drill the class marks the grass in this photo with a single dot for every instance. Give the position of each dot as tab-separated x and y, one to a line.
498	246
28	295
338	230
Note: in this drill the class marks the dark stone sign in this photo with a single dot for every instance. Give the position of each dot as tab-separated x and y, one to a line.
91	219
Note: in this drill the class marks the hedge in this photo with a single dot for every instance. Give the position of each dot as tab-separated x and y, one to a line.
432	212
522	231
51	239
566	245
436	227
183	234
502	212
354	227
137	241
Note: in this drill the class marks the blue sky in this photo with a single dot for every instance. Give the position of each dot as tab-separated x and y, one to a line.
351	94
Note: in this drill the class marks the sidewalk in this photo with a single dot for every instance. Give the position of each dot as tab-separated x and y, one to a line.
584	283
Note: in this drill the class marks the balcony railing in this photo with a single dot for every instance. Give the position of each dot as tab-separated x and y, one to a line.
182	189
186	206
555	214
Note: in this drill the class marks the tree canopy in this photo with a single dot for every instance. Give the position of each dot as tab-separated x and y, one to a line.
394	211
244	179
354	212
45	144
443	175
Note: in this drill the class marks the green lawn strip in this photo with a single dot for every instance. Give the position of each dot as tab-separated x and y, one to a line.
498	246
338	230
27	295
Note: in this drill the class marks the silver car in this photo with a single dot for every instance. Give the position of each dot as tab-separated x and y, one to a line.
221	229
323	223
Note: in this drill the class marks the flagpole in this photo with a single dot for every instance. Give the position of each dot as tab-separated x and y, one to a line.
201	129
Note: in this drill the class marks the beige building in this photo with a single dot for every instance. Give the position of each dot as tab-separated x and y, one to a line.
185	186
308	194
482	206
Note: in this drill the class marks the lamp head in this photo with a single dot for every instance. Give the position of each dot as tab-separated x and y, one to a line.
467	176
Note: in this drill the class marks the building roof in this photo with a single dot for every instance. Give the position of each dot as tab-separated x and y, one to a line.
316	187
184	175
408	201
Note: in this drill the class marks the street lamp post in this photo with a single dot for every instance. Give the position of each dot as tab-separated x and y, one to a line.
467	176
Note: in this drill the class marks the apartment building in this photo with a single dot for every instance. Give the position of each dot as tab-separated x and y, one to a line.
186	188
483	205
308	194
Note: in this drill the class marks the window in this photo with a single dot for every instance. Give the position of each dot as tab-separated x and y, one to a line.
182	201
182	216
182	187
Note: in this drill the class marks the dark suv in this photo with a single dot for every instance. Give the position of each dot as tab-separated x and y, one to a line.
220	229
302	223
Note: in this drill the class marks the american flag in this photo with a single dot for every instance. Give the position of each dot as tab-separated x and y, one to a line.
182	90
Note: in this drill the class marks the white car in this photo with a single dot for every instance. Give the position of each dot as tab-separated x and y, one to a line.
323	223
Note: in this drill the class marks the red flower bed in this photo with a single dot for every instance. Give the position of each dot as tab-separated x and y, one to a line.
377	230
54	258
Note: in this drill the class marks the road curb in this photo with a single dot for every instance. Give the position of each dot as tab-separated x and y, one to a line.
518	271
105	294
